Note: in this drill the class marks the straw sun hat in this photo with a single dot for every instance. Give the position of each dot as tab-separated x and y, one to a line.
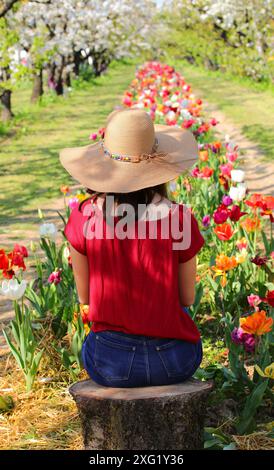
134	154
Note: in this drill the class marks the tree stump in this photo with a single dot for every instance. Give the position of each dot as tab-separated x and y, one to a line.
151	418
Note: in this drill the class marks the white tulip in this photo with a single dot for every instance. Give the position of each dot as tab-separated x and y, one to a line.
173	185
237	176
12	289
237	193
66	252
48	230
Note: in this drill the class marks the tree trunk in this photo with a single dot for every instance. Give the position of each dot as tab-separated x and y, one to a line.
67	79
76	61
5	98
37	90
59	85
142	418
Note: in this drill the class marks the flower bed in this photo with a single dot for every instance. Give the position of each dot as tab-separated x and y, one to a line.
234	292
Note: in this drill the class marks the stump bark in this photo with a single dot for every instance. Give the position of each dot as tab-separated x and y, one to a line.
142	418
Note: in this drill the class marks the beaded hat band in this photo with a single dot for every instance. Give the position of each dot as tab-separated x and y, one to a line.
134	158
129	137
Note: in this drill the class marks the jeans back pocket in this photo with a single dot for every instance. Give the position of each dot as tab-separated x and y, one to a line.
113	360
178	357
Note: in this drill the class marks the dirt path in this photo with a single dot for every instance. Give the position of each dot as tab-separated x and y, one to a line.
259	173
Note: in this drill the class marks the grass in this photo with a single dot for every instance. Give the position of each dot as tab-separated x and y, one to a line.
30	170
249	105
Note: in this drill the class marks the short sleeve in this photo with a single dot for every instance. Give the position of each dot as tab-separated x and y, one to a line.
74	231
196	240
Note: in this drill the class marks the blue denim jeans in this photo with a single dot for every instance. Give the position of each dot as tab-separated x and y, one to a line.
117	359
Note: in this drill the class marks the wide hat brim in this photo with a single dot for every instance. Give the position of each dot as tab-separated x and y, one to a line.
97	171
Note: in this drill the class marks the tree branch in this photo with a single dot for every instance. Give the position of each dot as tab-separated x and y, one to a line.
6	7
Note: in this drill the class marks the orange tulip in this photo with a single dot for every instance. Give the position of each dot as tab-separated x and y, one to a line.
257	323
203	155
64	189
250	225
224	231
223	264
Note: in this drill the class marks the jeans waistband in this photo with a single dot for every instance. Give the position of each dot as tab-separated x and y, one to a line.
131	337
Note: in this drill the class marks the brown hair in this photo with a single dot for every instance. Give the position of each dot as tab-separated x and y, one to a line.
142	196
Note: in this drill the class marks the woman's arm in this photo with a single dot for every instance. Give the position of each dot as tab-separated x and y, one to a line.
81	274
187	279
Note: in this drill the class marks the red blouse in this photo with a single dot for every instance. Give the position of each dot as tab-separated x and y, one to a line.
133	282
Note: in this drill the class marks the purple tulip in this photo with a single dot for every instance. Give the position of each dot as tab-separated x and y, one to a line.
249	343
226	200
238	336
206	220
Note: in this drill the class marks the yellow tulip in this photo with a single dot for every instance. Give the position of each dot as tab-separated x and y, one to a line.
268	372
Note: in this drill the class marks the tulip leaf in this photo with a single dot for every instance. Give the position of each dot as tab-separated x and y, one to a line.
254	400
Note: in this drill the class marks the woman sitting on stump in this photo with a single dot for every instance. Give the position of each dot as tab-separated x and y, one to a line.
134	252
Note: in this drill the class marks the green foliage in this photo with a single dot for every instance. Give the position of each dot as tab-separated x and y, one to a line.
203	42
25	350
8	39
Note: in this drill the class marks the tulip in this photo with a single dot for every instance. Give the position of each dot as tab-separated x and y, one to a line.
64	189
48	230
226	169
224	232
239	337
268	371
237	193
226	200
235	213
231	156
206	220
241	257
254	301
12	289
66	252
249	343
237	176
220	216
55	277
73	202
173	185
4	260
241	244
269	298
257	323
259	260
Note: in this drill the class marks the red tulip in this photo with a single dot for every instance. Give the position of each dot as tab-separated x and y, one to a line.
224	232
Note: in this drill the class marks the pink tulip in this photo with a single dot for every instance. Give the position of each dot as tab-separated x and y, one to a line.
254	301
55	277
73	202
